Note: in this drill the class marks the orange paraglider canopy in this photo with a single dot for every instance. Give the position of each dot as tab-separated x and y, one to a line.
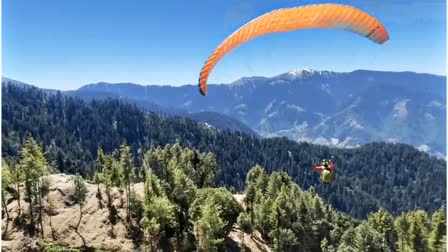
282	20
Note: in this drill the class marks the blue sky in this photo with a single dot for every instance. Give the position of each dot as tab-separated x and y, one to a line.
67	44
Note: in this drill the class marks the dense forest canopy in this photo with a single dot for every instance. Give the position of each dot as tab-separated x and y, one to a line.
183	210
396	177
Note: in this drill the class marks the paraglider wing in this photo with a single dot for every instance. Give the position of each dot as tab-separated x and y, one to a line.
282	20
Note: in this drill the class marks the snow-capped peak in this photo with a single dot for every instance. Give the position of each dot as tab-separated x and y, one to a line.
300	72
305	72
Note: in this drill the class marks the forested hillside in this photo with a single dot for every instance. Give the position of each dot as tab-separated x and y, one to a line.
340	109
396	177
173	204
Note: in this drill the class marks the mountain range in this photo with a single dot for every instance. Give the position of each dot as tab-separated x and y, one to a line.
342	109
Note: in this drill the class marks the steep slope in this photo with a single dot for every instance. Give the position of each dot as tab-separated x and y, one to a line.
132	93
341	109
96	229
221	122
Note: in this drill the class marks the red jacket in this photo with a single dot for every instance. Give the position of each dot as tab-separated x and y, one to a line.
320	168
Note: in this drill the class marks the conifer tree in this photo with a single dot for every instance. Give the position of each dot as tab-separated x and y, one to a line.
208	228
159	216
383	222
418	230
437	237
34	167
17	177
127	173
80	191
6	182
402	226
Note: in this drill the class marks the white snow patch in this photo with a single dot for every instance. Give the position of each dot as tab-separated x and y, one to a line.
423	147
321	141
240	107
334	141
269	107
300	72
209	126
273	114
392	140
295	107
295	74
349	142
400	109
278	82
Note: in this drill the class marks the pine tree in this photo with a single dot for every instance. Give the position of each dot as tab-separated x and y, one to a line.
418	230
183	194
229	208
244	222
209	227
402	227
34	167
262	212
249	198
348	241
80	191
18	177
383	223
127	173
437	237
159	213
209	169
368	239
100	167
6	182
159	216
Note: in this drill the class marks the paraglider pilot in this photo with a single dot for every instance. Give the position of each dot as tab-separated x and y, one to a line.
326	170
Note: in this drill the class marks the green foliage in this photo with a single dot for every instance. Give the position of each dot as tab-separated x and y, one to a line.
348	241
383	223
369	240
34	166
71	130
402	225
7	178
127	174
136	205
127	171
244	222
80	190
418	230
220	197
159	216
437	237
98	178
209	227
46	246
180	203
6	182
286	240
